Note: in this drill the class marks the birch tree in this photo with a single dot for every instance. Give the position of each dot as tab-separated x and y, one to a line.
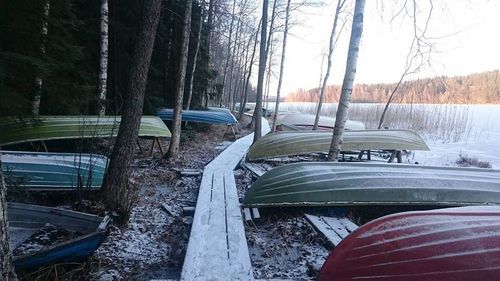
338	10
262	69
103	62
195	58
44	30
282	66
348	82
180	82
249	73
118	190
6	269
228	55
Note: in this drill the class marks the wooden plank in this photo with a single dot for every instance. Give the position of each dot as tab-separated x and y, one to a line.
255	213
239	257
254	168
332	228
195	253
217	248
349	225
324	229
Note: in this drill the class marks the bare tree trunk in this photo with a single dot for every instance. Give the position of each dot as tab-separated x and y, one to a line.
340	3
181	76
35	104
118	190
195	57
236	48
260	78
282	66
348	83
6	269
228	58
103	63
247	82
210	17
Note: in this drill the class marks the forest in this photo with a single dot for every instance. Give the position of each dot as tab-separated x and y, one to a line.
477	88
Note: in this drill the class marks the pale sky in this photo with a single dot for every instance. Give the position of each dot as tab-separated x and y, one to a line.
468	32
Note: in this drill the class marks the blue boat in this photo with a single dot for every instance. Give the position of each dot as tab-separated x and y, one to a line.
212	116
53	171
26	220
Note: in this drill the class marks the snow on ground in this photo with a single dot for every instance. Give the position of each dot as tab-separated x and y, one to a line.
153	244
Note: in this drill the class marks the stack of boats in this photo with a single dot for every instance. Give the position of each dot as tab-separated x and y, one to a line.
460	243
44	171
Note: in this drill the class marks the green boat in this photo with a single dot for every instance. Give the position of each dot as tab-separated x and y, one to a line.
369	184
53	171
17	130
304	142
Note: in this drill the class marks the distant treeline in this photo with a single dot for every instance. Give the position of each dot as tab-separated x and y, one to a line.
481	87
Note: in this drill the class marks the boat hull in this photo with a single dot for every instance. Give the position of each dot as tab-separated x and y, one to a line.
367	184
306	121
221	116
15	130
53	171
304	142
446	244
31	217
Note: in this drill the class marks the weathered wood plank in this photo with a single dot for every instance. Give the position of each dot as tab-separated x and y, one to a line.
324	229
217	248
332	228
239	257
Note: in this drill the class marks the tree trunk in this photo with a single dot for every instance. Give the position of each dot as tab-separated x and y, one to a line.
236	48
195	57
6	269
282	66
103	63
35	104
247	81
118	190
340	3
348	83
228	58
210	17
181	76
262	69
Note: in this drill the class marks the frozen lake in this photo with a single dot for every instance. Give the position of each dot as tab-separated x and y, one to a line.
450	130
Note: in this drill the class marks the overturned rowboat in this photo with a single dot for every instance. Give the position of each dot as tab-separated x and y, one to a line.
304	142
367	184
26	225
446	244
53	171
18	130
301	121
212	116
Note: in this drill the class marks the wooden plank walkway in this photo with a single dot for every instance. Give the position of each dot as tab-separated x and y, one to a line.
332	228
217	248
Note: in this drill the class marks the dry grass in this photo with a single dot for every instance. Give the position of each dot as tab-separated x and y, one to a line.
466	161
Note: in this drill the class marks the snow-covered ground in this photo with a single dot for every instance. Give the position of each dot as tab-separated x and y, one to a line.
483	141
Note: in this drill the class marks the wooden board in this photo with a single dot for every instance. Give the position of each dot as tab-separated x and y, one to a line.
335	229
217	248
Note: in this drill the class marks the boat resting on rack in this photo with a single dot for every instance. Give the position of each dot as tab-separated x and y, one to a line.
18	130
370	184
301	121
26	221
304	142
445	244
219	116
53	171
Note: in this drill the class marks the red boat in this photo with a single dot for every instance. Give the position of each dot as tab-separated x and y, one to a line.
445	244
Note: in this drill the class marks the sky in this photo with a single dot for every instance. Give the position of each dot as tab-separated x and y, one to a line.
466	39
